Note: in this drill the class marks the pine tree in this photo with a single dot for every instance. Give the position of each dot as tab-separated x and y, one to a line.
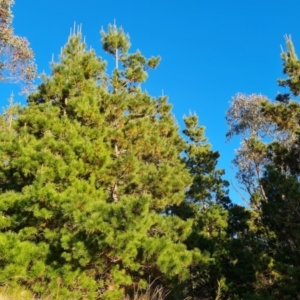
291	66
88	178
203	205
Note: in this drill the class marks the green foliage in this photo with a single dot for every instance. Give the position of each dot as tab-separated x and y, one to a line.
268	166
203	205
291	67
100	194
101	198
280	208
93	181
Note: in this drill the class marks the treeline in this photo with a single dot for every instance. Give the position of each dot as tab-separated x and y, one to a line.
102	197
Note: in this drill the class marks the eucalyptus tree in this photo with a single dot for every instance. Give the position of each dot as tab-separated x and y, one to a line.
16	56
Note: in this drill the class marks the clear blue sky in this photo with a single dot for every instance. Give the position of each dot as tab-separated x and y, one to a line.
210	49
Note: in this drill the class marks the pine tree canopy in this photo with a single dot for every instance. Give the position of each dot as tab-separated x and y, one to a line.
93	173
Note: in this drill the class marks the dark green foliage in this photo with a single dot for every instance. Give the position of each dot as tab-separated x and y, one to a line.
203	205
280	209
269	169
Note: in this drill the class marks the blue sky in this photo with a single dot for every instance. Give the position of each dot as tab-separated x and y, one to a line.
210	50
